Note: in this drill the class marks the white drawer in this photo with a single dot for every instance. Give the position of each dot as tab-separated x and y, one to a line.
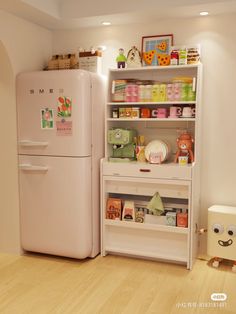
145	170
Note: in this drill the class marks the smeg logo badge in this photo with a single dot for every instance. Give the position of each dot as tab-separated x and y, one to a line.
42	91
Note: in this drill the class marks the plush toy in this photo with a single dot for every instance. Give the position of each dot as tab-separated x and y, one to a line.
185	147
134	59
121	59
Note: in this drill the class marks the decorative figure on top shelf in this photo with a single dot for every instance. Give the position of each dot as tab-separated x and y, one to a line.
134	59
121	59
185	147
92	50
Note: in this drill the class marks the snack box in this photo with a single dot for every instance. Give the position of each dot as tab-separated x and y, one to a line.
113	209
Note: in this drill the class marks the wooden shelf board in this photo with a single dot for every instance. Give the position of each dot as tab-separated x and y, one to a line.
152	119
163	68
147	103
145	226
146	254
143	164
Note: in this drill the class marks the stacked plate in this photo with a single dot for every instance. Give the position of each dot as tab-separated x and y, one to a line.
157	151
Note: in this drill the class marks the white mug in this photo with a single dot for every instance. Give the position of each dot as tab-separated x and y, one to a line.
188	112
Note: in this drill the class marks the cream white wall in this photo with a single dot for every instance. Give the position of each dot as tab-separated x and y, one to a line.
29	46
217	36
23	46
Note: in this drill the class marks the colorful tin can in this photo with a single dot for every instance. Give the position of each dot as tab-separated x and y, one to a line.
145	113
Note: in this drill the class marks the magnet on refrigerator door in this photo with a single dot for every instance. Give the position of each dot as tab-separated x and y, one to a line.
47	120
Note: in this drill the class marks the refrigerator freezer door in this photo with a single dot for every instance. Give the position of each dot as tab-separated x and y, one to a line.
54	113
55	202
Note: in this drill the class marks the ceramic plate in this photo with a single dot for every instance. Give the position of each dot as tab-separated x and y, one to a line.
157	146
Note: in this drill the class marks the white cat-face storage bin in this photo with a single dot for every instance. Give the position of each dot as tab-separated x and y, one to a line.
221	242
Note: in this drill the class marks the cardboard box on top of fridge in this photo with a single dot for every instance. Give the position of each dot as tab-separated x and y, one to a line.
90	61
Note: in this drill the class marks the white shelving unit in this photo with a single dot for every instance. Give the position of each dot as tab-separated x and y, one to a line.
136	179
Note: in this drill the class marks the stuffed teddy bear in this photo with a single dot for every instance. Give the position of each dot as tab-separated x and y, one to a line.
185	147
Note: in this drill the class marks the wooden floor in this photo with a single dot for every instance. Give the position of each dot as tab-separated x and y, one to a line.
41	284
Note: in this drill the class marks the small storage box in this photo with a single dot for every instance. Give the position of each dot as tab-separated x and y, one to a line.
90	62
222	232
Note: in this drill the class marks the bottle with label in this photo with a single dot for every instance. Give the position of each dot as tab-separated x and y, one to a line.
115	112
184	91
155	92
148	93
174	57
141	93
191	93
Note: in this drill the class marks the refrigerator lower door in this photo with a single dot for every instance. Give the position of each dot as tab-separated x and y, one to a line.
55	202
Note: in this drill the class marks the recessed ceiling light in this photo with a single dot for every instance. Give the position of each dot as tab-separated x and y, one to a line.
204	13
106	23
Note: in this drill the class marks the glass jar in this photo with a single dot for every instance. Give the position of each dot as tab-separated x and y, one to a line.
135	114
115	112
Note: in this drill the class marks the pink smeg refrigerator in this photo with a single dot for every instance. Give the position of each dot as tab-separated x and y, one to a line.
60	142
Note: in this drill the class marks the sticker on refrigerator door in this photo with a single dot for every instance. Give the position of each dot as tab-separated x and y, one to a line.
64	107
47	121
64	128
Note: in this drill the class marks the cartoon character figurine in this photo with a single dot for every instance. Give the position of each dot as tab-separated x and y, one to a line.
185	147
121	59
221	239
134	59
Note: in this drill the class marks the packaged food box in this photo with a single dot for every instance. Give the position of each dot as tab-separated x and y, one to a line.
113	209
171	219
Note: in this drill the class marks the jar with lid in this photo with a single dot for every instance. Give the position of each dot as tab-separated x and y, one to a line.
135	114
115	112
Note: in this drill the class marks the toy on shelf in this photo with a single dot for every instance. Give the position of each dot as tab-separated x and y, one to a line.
185	147
134	59
221	234
121	59
123	144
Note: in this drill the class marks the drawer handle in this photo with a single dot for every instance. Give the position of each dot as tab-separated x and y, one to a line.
145	170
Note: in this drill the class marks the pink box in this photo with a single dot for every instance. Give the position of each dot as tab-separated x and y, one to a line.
131	93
